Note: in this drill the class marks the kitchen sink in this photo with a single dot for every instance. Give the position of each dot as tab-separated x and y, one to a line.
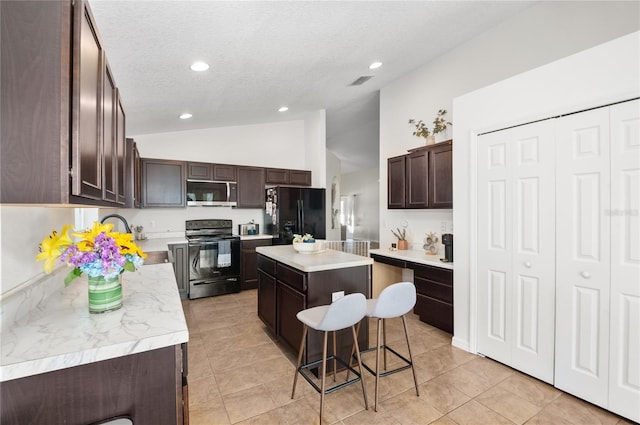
158	257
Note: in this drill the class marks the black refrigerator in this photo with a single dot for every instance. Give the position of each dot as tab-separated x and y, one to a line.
294	210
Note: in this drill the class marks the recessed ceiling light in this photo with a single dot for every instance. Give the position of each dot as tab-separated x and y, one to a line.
185	116
375	65
283	109
199	66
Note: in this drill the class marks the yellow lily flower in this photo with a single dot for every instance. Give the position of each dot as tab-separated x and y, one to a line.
88	237
52	246
127	245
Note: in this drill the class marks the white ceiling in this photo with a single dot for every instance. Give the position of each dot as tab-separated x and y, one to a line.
266	54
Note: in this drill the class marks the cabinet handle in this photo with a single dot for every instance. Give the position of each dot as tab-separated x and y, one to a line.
527	264
585	275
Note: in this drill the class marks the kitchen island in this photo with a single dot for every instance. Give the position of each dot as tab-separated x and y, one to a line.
60	364
289	282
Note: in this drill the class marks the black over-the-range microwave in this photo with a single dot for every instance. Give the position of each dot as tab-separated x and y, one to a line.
212	193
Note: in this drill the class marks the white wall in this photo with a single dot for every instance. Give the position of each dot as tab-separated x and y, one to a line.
598	76
364	186
540	34
22	228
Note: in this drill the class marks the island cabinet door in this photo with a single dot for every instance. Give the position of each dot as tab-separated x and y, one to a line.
290	302
267	299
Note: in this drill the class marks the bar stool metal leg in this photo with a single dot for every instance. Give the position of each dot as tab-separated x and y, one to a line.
413	369
300	352
324	374
357	348
384	341
378	338
335	363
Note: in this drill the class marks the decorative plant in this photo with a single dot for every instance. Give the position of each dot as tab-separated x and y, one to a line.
98	252
308	238
421	128
439	125
400	234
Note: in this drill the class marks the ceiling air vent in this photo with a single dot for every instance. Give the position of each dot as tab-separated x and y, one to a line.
361	80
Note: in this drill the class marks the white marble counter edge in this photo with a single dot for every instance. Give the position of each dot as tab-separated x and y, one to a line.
67	360
413	256
297	260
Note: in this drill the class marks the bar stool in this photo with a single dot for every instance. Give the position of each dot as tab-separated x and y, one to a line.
394	301
341	314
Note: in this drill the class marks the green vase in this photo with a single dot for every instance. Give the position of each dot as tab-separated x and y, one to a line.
104	294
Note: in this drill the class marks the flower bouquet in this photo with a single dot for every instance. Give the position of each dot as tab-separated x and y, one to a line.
100	253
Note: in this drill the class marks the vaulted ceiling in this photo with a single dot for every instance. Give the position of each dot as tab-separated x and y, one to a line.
268	54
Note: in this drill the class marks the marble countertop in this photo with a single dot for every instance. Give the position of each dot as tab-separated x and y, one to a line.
325	260
159	244
60	333
414	256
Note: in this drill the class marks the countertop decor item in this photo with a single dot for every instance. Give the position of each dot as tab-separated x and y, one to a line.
101	254
430	244
402	238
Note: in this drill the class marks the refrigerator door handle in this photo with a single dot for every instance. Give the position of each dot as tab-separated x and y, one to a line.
302	232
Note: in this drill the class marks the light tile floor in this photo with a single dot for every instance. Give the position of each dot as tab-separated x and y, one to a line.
239	374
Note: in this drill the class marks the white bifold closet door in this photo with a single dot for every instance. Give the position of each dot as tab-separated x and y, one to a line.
516	248
624	358
598	257
582	281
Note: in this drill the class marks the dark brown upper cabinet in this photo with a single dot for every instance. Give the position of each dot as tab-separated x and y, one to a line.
123	168
199	171
251	182
396	181
109	143
286	176
224	172
421	179
164	183
211	172
441	176
60	119
86	119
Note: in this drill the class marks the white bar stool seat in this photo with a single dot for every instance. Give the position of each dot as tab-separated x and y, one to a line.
394	301
341	314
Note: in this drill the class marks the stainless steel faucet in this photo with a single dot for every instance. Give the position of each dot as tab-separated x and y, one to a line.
122	219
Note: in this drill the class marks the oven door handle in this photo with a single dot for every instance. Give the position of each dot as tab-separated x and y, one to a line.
203	243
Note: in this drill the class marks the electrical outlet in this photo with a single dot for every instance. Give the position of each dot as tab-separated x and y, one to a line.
443	226
337	295
153	224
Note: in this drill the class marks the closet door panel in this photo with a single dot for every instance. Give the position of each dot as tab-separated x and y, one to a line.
494	241
582	261
534	250
516	256
624	362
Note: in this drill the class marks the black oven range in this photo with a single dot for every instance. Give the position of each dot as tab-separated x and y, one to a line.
214	258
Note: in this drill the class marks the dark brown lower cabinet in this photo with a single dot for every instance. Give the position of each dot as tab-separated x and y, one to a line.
434	287
296	290
145	387
267	299
249	262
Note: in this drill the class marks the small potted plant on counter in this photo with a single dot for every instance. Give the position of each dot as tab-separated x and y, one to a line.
402	238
